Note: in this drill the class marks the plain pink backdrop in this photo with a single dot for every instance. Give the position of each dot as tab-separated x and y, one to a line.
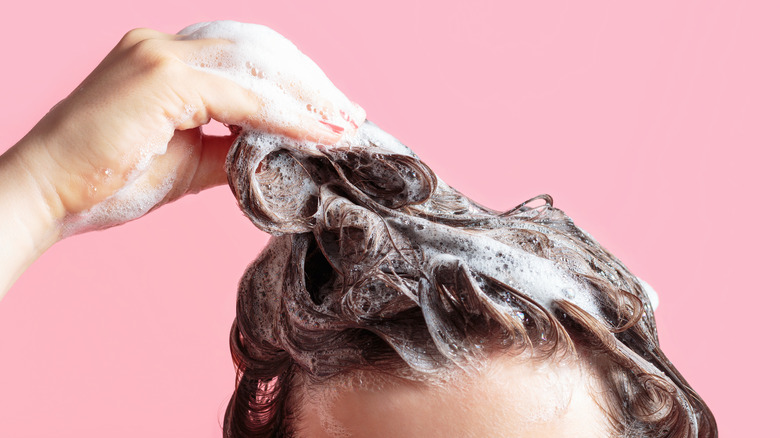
655	127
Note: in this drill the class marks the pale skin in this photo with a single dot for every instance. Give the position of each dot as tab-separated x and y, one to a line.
88	147
511	397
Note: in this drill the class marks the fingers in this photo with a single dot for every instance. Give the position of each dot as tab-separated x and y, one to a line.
196	52
326	104
230	103
296	98
272	107
135	36
192	163
211	167
357	116
206	94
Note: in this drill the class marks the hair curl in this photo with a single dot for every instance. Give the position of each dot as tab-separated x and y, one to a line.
378	265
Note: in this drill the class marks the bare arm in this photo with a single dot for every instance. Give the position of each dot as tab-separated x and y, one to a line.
126	141
27	225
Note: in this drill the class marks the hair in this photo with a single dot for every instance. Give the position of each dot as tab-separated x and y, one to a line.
379	266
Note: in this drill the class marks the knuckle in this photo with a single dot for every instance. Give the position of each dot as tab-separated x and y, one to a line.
134	36
147	47
152	54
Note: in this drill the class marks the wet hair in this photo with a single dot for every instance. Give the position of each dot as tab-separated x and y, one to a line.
377	265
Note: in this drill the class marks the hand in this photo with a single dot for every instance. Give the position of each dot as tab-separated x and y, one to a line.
131	122
127	140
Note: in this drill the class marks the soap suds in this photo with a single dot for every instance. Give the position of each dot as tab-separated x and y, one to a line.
293	88
132	201
259	59
377	264
142	191
652	295
366	230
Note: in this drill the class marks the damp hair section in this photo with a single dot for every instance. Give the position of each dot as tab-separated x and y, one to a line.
378	266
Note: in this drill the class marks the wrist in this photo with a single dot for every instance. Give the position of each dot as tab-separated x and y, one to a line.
31	161
30	218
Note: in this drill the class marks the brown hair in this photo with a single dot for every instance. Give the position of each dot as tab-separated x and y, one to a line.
377	265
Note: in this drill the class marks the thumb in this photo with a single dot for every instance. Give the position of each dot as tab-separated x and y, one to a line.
211	166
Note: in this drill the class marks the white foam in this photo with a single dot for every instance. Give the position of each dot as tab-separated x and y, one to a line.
371	134
652	295
263	61
368	135
538	278
130	202
143	190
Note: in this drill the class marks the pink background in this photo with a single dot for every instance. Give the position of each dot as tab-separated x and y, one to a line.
655	127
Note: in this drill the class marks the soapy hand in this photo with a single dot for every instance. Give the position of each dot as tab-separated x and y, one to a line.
127	139
265	62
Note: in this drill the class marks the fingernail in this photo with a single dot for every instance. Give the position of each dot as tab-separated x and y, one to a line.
335	128
348	118
322	135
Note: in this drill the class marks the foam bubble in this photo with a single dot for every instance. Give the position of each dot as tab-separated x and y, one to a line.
259	59
142	191
131	202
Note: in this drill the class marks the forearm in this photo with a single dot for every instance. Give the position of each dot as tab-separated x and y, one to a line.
28	225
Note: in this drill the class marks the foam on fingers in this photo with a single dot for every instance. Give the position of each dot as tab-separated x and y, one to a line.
290	84
148	185
282	90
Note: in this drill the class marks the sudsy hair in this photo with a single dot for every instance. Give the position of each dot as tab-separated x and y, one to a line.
379	266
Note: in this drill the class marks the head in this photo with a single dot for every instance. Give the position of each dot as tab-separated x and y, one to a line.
389	300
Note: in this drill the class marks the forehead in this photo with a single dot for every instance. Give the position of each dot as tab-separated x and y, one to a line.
508	398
